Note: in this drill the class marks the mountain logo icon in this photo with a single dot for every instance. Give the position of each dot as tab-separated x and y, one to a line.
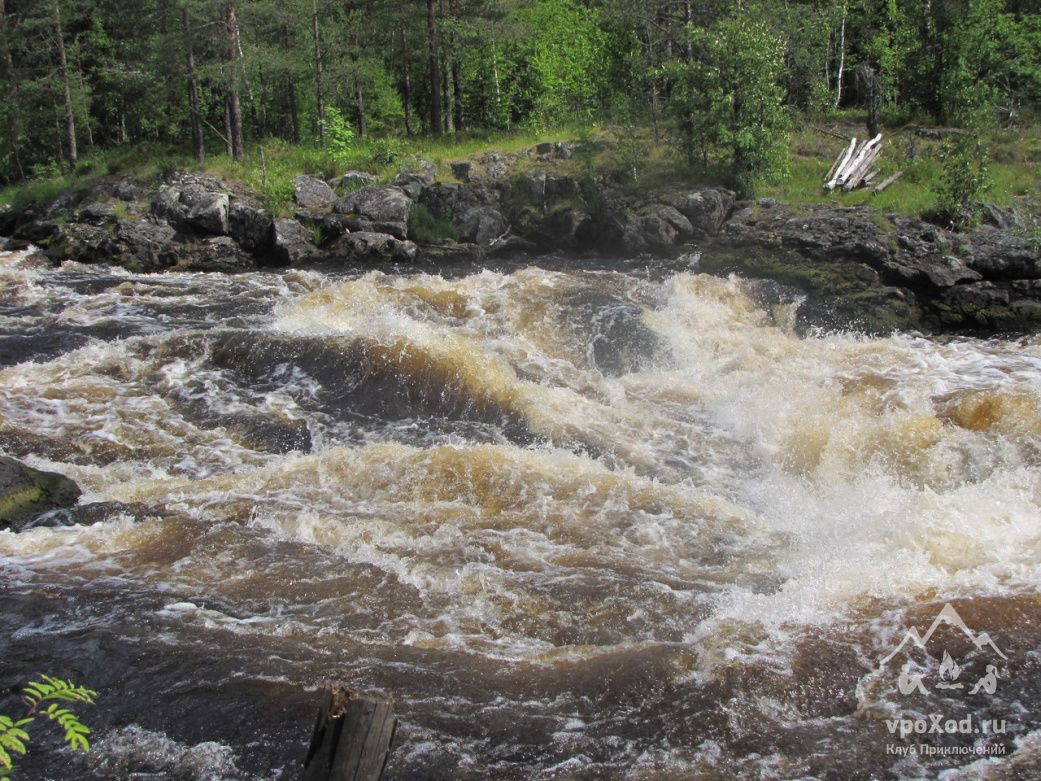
948	615
911	678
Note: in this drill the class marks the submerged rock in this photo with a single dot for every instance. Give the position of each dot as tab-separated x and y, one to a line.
26	493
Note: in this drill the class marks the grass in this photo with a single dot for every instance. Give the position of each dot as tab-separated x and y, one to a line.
271	165
425	228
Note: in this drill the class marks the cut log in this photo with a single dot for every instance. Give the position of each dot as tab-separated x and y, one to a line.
856	175
869	178
831	180
888	181
858	165
352	737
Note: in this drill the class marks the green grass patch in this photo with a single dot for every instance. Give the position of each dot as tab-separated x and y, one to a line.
425	228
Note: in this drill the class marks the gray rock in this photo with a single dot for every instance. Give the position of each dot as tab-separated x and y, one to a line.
313	194
565	229
352	180
219	253
481	225
1000	256
706	210
26	493
143	245
129	189
293	243
529	189
366	246
379	205
80	242
207	211
251	225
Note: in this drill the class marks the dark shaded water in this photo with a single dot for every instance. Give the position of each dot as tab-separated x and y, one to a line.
581	524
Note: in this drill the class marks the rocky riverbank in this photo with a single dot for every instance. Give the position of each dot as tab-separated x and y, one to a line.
859	268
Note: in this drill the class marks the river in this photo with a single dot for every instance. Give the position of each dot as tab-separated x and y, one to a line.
620	521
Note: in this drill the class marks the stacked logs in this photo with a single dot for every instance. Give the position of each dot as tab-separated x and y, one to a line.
854	167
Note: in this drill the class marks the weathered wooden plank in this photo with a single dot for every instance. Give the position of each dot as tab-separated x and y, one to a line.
888	181
351	738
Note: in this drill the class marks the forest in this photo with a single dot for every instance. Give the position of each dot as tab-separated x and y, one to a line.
714	77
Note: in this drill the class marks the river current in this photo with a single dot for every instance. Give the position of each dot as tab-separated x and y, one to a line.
611	522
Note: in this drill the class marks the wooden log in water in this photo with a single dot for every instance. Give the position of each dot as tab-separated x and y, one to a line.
887	181
352	737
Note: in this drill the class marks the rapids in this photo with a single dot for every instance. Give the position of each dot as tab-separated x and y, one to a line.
610	522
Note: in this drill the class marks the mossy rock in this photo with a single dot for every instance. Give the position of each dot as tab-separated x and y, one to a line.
26	493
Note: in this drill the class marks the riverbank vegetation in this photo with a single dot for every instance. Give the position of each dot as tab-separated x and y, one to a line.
749	96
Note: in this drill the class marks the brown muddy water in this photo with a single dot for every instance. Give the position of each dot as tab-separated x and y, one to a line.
610	523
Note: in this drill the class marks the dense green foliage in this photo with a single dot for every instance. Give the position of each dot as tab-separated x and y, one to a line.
965	180
716	79
43	698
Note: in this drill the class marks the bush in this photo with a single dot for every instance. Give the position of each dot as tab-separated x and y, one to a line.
339	134
425	228
385	151
964	180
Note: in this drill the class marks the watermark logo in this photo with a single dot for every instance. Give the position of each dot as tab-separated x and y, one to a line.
912	679
969	669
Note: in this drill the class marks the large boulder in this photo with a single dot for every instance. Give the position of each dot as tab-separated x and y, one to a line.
193	202
251	225
207	211
1002	256
293	243
369	247
379	208
143	245
352	180
219	253
706	210
78	241
313	194
26	493
481	225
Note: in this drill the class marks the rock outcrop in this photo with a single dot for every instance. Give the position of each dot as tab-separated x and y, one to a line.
27	493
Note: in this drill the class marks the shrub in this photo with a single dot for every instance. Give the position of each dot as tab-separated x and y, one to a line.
964	180
425	228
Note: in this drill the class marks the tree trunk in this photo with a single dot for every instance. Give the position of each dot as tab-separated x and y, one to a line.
198	141
234	104
842	59
359	100
688	17
318	74
435	70
70	116
447	92
406	65
227	127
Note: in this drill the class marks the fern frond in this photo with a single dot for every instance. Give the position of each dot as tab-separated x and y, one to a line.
37	692
75	730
